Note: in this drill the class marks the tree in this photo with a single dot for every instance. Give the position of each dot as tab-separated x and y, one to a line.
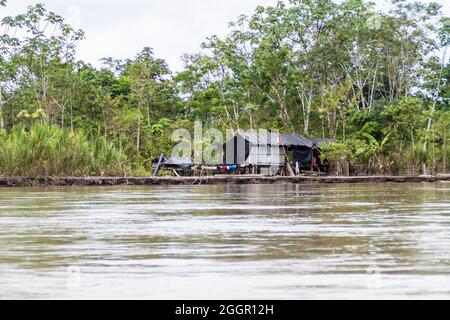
43	55
444	40
146	75
374	151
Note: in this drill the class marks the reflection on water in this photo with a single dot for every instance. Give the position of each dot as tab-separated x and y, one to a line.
220	242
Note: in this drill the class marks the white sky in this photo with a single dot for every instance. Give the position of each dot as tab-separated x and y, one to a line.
120	29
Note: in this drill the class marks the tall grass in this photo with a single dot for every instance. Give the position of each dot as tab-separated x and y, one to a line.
46	150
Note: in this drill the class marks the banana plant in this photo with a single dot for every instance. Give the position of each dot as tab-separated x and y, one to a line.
375	150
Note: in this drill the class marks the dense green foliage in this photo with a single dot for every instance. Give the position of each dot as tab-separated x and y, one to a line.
377	82
52	151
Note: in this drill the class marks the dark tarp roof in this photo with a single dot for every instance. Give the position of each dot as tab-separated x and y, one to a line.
286	140
295	140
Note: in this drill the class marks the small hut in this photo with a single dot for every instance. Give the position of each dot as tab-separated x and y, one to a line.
254	149
268	152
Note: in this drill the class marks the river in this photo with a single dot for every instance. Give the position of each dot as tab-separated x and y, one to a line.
381	241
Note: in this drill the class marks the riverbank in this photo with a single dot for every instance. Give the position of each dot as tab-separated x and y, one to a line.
215	180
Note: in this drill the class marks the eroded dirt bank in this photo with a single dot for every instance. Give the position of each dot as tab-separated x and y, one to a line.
231	180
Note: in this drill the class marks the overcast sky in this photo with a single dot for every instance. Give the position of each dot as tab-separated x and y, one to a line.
120	29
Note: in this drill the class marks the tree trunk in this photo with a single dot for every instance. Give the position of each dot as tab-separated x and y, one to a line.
372	91
2	123
71	110
104	122
138	139
433	109
306	106
148	113
332	124
63	111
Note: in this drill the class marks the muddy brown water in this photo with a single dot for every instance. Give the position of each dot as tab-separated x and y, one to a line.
226	242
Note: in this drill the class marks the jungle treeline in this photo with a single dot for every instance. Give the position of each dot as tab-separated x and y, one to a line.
375	81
